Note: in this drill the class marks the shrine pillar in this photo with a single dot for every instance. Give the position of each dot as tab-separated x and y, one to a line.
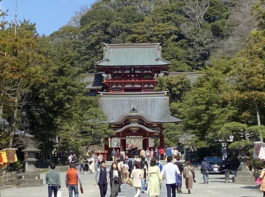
161	136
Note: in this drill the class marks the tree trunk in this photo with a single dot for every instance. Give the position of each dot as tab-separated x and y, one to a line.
258	121
14	123
1	111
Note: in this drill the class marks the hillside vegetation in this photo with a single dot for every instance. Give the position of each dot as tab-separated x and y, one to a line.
190	31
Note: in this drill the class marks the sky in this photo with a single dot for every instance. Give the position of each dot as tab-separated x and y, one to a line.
48	15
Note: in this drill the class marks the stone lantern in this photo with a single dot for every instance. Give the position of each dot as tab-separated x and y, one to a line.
30	154
31	176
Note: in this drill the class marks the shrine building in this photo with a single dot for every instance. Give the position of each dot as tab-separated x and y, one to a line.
126	81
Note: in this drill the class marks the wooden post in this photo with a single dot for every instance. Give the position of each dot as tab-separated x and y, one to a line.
162	143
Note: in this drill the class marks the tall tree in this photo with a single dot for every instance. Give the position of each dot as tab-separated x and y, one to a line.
21	65
206	107
248	77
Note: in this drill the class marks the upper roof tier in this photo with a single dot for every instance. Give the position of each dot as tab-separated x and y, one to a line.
135	54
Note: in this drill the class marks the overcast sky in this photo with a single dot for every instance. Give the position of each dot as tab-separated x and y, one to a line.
49	15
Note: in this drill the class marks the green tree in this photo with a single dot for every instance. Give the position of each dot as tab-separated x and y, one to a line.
177	87
259	13
20	66
248	79
206	108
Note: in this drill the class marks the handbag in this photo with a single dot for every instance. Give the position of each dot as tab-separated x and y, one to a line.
129	181
81	189
59	193
259	181
116	180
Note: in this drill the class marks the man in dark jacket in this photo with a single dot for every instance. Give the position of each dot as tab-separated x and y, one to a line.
180	166
232	164
205	167
101	179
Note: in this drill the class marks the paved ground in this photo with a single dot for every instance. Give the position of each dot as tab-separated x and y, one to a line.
216	188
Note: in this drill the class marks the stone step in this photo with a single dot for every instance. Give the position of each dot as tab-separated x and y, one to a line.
30	182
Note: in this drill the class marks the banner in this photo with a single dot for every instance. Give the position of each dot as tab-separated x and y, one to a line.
115	142
259	150
151	142
3	157
134	141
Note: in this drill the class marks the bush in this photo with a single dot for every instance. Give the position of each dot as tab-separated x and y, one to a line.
17	166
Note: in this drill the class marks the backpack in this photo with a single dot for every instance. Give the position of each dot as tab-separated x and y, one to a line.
205	166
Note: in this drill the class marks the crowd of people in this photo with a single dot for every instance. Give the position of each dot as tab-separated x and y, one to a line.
144	172
145	176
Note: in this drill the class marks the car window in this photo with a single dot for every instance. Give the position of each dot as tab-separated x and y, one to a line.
213	159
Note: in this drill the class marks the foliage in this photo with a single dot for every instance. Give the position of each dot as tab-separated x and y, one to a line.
177	86
205	108
172	132
248	79
186	34
41	76
17	166
64	110
20	66
259	13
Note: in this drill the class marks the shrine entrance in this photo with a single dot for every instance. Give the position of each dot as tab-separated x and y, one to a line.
131	140
134	109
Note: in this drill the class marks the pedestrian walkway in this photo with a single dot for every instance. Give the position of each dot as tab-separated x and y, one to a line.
216	188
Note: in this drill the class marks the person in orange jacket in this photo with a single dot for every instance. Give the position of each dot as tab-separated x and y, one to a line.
72	179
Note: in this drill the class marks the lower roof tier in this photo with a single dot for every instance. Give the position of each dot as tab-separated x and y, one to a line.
152	106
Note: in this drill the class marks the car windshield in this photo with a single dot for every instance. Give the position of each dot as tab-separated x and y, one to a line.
213	159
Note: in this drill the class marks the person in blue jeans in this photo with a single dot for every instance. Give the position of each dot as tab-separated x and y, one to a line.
53	181
72	180
170	171
205	167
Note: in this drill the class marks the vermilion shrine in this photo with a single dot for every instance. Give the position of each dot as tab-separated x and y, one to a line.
126	81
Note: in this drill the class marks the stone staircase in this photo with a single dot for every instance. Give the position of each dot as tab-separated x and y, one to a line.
29	179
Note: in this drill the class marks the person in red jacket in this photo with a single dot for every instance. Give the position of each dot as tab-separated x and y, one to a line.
72	179
162	153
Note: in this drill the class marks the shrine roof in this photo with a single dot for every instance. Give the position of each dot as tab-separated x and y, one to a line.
135	54
153	106
136	125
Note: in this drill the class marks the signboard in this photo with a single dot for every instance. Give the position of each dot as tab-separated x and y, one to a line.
259	150
151	142
134	141
115	142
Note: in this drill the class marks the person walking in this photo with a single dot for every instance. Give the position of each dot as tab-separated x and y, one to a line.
101	179
113	154
154	179
161	152
262	185
144	167
147	153
168	151
152	154
179	178
136	176
72	179
159	165
115	180
53	181
142	153
125	172
189	175
169	171
205	167
232	164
